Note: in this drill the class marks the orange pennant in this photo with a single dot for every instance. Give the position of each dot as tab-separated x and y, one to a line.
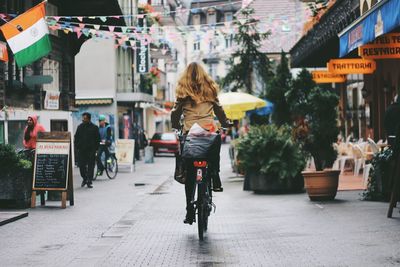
3	52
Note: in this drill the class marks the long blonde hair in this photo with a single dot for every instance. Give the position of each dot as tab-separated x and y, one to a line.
196	84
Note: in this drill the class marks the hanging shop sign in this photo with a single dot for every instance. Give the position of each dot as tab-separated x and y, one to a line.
3	52
142	57
385	46
328	77
382	18
351	66
52	100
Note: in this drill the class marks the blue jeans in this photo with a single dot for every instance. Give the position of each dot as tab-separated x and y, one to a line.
102	149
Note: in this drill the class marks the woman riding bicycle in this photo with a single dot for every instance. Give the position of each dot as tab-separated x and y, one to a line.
197	101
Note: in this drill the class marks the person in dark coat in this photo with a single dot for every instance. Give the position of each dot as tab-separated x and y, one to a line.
87	140
392	120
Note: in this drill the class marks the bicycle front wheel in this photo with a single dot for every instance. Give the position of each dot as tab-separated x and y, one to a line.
112	167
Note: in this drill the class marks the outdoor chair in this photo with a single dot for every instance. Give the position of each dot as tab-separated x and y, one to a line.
366	171
344	155
359	159
374	146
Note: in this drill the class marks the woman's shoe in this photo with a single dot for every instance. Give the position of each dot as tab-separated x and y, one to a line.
189	216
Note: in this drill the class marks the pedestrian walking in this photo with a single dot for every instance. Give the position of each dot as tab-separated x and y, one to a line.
392	121
31	131
87	140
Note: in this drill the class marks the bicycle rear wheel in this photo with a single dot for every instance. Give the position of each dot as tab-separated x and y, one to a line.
201	212
112	167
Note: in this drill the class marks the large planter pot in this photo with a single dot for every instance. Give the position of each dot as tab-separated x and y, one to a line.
321	185
261	183
16	189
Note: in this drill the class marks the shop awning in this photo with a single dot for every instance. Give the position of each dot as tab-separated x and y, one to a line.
93	101
382	18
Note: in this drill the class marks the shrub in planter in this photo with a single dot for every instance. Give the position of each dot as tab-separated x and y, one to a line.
316	132
270	159
378	188
15	179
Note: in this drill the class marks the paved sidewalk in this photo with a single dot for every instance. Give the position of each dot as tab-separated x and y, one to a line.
142	226
50	235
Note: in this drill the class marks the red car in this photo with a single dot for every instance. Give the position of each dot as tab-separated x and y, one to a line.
165	143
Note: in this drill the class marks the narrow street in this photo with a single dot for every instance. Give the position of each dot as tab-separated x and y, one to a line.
136	220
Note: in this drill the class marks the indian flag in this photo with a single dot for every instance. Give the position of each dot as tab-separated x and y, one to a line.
28	35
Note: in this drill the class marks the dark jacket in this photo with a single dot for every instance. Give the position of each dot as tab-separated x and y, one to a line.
392	119
87	138
392	122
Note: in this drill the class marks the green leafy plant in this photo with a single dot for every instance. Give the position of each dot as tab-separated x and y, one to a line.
378	188
270	150
247	61
277	91
314	112
11	161
323	130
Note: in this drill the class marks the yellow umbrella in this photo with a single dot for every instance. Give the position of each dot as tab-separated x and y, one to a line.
236	104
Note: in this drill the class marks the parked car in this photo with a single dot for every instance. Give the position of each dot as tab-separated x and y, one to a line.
164	143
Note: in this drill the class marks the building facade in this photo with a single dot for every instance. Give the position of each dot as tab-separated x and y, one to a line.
364	97
23	90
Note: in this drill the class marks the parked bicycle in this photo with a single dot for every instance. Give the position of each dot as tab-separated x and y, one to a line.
110	165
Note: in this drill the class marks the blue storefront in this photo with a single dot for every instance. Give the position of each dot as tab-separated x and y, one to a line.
380	87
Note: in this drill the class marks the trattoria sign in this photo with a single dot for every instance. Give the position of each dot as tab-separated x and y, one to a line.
385	46
351	66
327	77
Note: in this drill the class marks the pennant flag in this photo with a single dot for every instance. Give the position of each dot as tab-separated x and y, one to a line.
80	18
111	28
3	52
81	25
28	35
103	19
85	31
97	27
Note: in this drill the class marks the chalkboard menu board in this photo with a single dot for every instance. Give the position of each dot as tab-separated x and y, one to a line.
51	166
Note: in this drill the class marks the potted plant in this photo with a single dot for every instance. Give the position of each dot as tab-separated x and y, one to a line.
272	162
316	132
15	179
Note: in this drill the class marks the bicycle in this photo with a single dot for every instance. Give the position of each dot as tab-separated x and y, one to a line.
197	171
203	204
110	165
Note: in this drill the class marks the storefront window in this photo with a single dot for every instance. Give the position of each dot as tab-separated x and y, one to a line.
2	141
16	133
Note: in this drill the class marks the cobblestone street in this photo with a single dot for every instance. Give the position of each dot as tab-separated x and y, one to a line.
136	220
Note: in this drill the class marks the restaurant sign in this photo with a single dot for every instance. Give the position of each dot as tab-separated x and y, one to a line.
382	18
385	46
351	66
327	77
